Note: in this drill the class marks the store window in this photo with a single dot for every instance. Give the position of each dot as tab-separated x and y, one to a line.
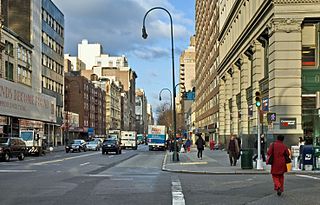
310	50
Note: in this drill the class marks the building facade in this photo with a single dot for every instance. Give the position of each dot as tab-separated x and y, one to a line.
141	112
41	25
206	105
88	101
269	47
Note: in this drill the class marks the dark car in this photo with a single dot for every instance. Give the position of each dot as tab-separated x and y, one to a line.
76	145
111	145
12	147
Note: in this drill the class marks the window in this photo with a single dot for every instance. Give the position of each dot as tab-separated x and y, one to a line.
9	71
309	48
9	48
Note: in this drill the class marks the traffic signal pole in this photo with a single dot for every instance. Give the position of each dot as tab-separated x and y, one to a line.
258	106
259	161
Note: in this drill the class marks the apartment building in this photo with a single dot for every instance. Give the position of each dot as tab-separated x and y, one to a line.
141	112
39	28
88	101
269	47
206	105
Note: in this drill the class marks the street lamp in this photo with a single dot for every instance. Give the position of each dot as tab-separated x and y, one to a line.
145	35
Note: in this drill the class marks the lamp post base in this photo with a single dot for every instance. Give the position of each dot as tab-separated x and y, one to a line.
259	164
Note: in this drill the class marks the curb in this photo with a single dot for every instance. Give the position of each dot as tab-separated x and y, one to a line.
238	172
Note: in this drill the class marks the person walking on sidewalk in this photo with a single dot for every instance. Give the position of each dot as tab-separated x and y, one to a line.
200	145
188	144
262	147
278	149
233	150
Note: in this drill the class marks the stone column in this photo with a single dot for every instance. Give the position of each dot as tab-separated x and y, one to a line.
244	78
228	95
285	75
222	113
235	90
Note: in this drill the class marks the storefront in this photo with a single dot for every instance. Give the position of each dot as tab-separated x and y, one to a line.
23	108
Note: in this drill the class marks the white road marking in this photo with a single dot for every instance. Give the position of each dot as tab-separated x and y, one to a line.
307	176
84	163
64	159
17	171
192	163
177	195
99	175
122	179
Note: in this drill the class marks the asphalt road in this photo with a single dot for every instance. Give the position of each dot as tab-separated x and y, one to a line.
135	177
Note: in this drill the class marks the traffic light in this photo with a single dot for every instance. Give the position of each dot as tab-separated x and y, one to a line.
258	99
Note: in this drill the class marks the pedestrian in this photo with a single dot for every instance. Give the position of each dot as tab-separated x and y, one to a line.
188	144
200	145
278	167
211	143
262	148
233	150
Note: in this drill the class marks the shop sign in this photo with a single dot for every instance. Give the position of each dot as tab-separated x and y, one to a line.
288	123
23	102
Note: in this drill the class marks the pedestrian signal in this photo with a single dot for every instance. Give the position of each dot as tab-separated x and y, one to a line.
258	99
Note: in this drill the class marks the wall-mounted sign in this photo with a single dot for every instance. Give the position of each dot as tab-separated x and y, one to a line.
21	101
288	123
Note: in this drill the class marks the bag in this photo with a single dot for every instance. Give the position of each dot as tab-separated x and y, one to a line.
287	158
270	158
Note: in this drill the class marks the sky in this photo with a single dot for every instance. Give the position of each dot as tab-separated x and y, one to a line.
117	24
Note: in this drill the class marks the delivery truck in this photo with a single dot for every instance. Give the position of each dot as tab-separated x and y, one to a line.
157	137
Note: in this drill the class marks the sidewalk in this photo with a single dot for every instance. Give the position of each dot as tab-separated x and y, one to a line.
213	162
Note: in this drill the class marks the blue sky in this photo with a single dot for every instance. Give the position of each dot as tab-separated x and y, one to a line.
116	24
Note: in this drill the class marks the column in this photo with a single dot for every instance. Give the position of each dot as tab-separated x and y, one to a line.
228	94
244	79
235	90
222	113
285	75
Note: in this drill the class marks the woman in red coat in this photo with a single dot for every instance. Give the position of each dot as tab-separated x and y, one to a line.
278	167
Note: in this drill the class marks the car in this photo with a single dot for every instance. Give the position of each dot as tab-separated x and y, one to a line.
12	147
76	145
111	145
94	145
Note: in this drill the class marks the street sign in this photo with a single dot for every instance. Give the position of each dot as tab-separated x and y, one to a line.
271	116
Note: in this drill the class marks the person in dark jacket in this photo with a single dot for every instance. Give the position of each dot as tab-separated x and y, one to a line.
278	167
200	145
233	150
262	146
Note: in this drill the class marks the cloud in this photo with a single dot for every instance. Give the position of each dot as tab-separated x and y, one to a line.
116	24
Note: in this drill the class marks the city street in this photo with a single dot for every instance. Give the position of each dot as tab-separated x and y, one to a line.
135	177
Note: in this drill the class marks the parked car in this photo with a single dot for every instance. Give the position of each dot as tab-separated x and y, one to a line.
94	145
12	147
76	145
111	145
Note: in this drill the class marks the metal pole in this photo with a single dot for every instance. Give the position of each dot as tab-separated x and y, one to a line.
259	161
144	35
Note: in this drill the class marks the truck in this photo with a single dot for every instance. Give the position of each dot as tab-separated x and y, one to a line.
157	137
129	140
114	134
140	138
34	141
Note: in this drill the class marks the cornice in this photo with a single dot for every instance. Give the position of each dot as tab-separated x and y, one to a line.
295	1
287	25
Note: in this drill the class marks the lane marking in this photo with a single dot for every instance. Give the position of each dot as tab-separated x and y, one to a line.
64	159
307	176
99	175
84	163
177	195
122	179
192	163
17	171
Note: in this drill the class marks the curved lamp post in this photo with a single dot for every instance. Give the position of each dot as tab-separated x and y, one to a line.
145	35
